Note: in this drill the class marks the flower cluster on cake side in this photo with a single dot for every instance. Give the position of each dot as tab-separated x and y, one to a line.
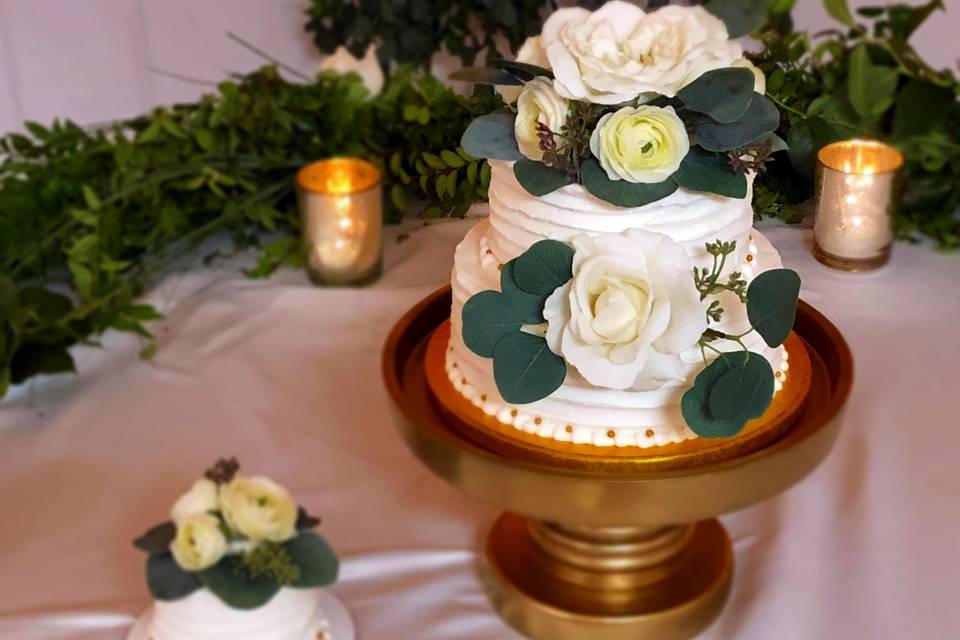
632	106
242	538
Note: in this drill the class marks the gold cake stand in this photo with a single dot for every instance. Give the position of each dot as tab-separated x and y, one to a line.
611	553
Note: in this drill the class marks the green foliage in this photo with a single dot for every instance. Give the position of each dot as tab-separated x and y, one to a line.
230	581
270	561
544	267
723	94
166	580
487	317
734	389
712	174
741	17
525	369
413	31
759	120
491	136
157	539
538	178
865	80
87	218
772	304
317	562
621	192
528	305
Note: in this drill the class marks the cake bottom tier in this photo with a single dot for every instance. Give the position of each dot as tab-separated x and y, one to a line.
578	412
292	614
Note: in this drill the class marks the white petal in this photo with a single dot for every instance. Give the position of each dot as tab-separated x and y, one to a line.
556	311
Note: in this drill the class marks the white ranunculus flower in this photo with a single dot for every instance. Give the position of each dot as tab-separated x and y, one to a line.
759	80
538	104
628	313
199	543
640	144
259	508
202	498
531	52
619	52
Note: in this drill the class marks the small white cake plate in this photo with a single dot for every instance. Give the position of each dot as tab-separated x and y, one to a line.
331	609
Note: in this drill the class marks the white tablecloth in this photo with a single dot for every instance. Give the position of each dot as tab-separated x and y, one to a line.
286	377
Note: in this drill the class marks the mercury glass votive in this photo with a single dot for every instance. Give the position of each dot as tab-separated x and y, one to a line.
341	204
856	193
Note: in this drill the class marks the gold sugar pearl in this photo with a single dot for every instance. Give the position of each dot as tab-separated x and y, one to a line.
483	397
500	267
611	433
538	420
514	413
463	380
489	252
569	428
779	374
649	433
454	365
749	258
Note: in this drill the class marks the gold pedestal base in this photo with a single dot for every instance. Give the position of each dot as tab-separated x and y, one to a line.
607	584
611	552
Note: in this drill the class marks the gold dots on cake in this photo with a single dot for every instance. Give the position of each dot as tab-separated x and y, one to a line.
483	397
749	258
568	428
611	434
489	252
500	267
454	365
779	374
649	433
463	381
513	413
538	420
750	236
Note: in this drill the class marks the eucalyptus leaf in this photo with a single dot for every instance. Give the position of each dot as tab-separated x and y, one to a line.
525	369
840	11
316	559
528	305
34	358
544	267
486	75
761	119
157	539
741	17
772	304
710	173
723	94
522	70
744	391
488	316
167	581
491	136
621	192
230	582
537	178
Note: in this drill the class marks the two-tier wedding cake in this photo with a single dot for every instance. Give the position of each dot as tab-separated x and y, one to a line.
617	295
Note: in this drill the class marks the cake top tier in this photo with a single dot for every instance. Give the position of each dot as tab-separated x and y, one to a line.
631	105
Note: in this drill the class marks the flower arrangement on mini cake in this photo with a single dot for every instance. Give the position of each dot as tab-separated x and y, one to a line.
242	537
632	105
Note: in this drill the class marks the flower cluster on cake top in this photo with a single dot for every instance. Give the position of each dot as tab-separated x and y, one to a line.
242	537
631	104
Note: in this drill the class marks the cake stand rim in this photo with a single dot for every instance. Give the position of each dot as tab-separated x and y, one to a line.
467	465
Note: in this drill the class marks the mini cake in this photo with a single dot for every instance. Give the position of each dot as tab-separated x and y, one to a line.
617	296
238	559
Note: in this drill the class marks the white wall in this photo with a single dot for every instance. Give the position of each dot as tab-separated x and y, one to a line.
90	60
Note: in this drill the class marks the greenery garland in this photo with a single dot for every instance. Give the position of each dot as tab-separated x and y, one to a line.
88	217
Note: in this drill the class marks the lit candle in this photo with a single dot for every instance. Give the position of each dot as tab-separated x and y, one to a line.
855	200
342	209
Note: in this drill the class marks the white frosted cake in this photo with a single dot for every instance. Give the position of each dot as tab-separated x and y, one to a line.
617	295
517	220
238	559
292	614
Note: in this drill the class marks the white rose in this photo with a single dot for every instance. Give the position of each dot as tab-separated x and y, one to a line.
640	144
628	313
618	52
759	80
538	104
199	543
201	498
531	52
259	508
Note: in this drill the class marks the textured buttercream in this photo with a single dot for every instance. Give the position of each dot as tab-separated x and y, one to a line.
290	615
578	411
